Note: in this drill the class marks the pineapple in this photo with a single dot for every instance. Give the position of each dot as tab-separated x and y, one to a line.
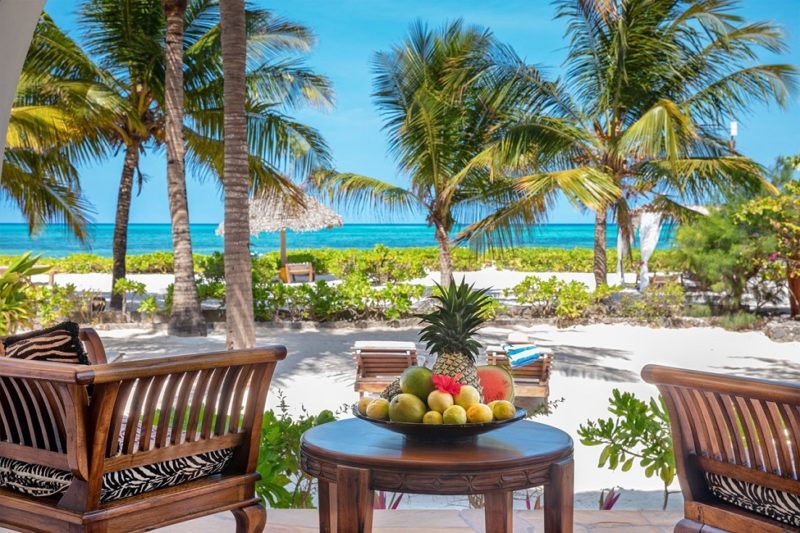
449	333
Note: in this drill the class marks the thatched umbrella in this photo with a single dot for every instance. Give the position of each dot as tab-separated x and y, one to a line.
273	213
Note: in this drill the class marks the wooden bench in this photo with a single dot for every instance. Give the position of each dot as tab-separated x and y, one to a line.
379	363
290	271
730	432
531	380
216	402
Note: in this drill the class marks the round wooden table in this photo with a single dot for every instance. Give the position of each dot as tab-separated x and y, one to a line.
352	458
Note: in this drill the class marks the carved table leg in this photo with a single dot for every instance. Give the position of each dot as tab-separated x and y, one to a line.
559	498
353	500
499	508
327	507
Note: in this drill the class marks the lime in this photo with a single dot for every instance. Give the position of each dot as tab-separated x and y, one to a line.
455	414
432	417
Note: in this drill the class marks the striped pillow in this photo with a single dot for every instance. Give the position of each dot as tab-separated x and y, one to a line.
60	344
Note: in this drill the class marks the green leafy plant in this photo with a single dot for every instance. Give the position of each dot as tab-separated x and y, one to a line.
55	304
17	307
655	302
283	484
553	297
149	306
127	287
639	432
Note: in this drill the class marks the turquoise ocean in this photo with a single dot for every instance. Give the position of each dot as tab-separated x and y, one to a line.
54	241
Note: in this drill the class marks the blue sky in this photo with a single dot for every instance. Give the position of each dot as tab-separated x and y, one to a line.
350	31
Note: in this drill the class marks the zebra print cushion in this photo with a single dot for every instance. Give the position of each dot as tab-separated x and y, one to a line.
32	479
776	504
60	343
40	481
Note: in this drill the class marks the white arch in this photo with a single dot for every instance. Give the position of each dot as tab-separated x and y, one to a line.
17	21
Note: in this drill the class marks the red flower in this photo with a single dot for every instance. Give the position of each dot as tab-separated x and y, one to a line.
447	384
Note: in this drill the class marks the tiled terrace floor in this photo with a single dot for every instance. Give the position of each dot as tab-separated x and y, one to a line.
445	521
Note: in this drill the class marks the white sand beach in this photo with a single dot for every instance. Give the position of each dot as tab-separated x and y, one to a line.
590	361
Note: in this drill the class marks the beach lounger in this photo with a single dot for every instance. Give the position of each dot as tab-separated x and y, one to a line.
379	363
290	271
531	380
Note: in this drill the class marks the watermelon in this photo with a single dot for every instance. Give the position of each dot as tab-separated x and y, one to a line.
497	383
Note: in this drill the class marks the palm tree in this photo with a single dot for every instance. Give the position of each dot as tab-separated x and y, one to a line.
648	82
239	315
186	317
58	120
128	39
446	98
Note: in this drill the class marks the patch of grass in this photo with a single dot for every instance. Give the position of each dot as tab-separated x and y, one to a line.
738	321
698	311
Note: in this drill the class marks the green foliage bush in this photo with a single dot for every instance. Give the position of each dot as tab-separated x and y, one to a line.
663	301
381	264
17	308
638	431
553	297
283	484
738	321
724	253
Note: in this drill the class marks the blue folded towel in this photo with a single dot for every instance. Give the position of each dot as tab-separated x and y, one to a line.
521	354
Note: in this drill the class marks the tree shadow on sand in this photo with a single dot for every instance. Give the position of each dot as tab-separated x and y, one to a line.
773	369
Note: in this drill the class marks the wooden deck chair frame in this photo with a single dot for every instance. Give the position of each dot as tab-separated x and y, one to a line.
531	380
377	368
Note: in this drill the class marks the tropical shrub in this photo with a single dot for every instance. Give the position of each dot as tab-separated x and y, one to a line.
380	263
17	308
662	301
781	215
553	297
148	306
127	287
56	304
726	254
639	431
283	484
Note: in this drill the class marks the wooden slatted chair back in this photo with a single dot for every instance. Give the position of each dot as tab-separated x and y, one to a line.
741	428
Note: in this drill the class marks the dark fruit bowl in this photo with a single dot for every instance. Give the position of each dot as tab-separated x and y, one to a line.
443	432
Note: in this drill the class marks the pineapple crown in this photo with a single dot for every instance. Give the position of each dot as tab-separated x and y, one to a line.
459	313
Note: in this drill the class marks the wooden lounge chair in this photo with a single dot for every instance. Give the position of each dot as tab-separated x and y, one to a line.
290	271
99	424
379	363
531	380
737	450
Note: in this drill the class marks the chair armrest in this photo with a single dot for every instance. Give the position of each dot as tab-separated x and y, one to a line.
39	370
142	368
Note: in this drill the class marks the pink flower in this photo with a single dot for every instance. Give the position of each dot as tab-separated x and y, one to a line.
447	383
773	256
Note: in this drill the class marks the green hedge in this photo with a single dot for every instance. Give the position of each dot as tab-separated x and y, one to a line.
381	264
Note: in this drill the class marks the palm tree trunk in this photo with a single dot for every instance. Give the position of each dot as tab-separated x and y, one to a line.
186	317
445	255
600	262
239	317
120	244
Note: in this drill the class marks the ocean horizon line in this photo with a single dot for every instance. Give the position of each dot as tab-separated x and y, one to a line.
156	237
